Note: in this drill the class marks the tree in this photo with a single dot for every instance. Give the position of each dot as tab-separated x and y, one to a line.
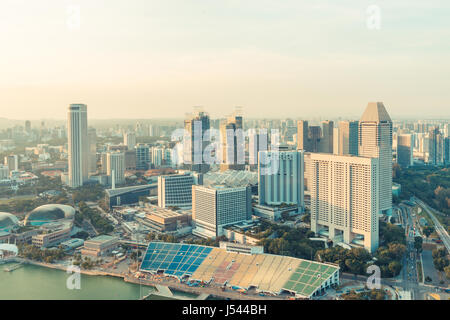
447	272
418	243
427	231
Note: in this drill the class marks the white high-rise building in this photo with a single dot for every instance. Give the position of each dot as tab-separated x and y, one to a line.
175	190
215	207
129	139
344	198
280	178
78	145
115	164
375	141
12	161
157	156
4	172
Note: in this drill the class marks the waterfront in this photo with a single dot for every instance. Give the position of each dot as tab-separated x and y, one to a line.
32	282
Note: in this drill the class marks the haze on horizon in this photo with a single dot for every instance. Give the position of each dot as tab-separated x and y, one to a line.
157	59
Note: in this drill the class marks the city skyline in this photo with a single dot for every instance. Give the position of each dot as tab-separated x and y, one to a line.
154	62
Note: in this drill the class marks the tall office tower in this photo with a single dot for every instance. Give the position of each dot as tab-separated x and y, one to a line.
78	145
348	138
344	198
215	207
233	144
12	161
129	139
28	126
195	141
315	138
257	141
435	147
157	157
375	140
280	178
130	159
447	150
92	136
175	190
142	157
4	172
446	130
167	156
303	135
315	133
405	150
103	162
116	166
326	140
336	141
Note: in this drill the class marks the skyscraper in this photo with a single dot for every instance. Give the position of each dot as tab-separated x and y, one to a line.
129	139
348	138
344	198
405	149
375	141
326	139
315	138
435	147
78	145
92	134
195	141
233	143
280	178
115	166
12	161
142	157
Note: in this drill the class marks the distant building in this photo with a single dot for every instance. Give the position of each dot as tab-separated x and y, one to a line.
116	166
315	138
12	162
142	157
52	234
405	150
78	145
129	139
233	144
195	142
348	138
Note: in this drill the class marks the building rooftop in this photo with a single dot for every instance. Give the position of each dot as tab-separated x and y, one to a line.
375	112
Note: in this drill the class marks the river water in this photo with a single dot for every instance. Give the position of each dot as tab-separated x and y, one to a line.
35	282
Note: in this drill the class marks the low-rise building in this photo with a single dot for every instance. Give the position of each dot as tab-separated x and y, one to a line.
100	246
52	234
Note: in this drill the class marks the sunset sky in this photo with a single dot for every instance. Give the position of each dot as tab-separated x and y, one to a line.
276	58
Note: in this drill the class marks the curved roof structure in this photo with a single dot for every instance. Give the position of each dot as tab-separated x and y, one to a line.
49	213
9	247
8	221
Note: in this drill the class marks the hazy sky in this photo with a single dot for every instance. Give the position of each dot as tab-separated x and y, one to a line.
276	58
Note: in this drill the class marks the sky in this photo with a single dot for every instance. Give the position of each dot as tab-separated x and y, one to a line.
275	58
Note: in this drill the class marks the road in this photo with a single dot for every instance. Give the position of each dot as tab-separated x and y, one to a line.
437	225
409	272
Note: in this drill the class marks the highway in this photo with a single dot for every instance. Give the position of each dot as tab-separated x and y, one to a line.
437	225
